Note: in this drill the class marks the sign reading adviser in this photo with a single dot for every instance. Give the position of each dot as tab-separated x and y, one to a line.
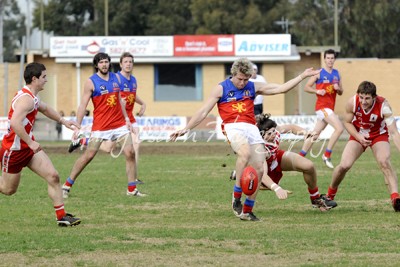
262	45
113	45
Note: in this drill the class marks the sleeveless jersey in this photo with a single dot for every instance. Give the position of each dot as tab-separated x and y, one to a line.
325	82
237	105
128	92
273	148
107	112
11	141
370	123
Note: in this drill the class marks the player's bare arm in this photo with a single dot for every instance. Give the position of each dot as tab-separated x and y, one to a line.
267	181
291	128
51	113
347	121
142	105
201	114
309	87
391	124
23	106
273	89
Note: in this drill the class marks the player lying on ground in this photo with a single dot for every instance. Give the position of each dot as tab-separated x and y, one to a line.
281	160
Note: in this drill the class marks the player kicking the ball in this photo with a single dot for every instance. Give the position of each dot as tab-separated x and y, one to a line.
234	98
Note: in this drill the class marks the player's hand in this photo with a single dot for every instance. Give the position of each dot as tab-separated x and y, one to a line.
281	193
363	141
35	146
70	124
142	110
176	134
310	72
321	92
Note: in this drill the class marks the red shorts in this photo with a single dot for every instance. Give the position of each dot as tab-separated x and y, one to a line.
276	174
13	161
380	138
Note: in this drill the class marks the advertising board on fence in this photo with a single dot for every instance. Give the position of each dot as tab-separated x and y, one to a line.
152	129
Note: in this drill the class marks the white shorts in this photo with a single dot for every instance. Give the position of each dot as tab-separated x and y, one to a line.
323	113
242	132
113	134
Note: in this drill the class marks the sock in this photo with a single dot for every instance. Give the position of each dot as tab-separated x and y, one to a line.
328	153
303	153
394	195
132	186
69	182
332	192
314	194
248	205
237	192
60	212
84	141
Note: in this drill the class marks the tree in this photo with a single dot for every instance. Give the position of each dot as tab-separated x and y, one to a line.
13	29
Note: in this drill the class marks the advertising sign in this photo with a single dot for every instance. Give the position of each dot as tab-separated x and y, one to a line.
203	45
262	45
114	46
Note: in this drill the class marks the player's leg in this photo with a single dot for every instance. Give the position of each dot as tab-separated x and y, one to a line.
126	143
381	152
42	166
337	125
256	160
9	183
309	142
293	162
81	163
352	151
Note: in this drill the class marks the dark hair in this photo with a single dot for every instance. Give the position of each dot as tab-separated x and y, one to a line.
98	57
367	88
330	52
33	69
264	123
124	55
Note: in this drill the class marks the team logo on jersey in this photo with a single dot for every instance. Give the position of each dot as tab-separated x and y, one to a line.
130	99
126	87
103	89
239	107
231	96
112	101
373	117
330	90
246	94
115	87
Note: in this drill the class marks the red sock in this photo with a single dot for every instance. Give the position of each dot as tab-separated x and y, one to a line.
131	188
60	212
332	192
328	153
237	195
314	194
394	195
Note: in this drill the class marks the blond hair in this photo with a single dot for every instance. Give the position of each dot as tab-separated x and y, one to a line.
242	65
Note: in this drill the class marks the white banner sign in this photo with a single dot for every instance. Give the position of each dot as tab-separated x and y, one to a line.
262	45
114	46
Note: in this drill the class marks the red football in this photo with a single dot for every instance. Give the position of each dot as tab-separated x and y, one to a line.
249	181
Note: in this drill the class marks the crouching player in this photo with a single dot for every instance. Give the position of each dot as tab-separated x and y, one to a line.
281	160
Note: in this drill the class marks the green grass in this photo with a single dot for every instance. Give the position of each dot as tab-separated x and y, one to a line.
187	221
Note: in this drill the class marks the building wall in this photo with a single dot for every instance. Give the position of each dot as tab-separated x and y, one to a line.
63	89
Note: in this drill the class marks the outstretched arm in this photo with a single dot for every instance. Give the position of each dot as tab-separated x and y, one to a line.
54	115
200	115
273	89
391	124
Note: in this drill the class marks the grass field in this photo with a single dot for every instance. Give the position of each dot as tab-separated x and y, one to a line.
187	220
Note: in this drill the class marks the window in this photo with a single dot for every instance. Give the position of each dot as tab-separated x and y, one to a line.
178	82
